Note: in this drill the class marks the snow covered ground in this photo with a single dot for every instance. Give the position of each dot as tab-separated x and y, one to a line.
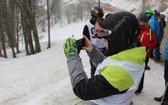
43	79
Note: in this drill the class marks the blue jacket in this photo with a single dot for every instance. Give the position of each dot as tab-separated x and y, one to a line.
166	49
155	26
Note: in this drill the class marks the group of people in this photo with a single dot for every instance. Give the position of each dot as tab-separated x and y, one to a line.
119	47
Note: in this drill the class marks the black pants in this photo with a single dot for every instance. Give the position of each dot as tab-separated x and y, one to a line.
140	88
92	69
157	50
151	53
146	61
166	76
166	91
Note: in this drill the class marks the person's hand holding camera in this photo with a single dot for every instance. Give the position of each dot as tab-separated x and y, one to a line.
70	48
88	46
73	47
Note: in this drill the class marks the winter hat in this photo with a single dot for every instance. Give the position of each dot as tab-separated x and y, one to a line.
156	13
143	17
125	29
149	12
96	12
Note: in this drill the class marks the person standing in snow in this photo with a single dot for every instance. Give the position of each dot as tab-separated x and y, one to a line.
148	39
165	98
96	14
149	14
118	75
156	27
162	24
147	36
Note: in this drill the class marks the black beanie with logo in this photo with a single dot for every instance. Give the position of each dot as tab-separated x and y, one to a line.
125	29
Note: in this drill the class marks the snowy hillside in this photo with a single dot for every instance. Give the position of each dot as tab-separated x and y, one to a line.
136	6
43	79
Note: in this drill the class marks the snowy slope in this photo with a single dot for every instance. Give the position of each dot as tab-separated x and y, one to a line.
42	79
135	6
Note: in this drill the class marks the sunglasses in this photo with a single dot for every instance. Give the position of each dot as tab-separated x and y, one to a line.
142	26
101	32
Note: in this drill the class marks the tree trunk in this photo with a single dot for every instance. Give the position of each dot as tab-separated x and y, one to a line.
48	18
25	36
17	31
36	38
3	48
34	28
29	40
8	31
25	7
2	33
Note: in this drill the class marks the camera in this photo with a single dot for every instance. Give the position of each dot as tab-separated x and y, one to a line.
80	43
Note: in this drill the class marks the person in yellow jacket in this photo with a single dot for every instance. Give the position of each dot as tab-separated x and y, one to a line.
118	75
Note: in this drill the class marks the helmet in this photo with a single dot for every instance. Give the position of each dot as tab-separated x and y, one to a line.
124	28
149	13
96	12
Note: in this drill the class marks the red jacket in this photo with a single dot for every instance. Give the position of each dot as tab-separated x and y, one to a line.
148	39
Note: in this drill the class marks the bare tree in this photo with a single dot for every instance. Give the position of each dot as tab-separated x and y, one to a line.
28	16
18	18
53	10
2	35
17	28
48	18
2	41
7	23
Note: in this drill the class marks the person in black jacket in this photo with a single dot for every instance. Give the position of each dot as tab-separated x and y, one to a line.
162	24
117	75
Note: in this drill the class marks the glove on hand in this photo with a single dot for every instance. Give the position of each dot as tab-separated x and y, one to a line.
70	47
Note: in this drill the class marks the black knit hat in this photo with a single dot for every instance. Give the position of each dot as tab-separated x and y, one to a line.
143	17
156	13
125	29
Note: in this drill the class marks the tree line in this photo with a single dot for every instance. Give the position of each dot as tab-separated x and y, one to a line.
21	21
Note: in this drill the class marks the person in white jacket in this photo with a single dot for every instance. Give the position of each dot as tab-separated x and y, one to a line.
118	75
88	31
